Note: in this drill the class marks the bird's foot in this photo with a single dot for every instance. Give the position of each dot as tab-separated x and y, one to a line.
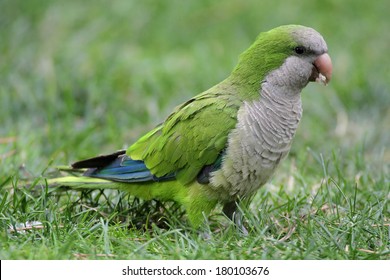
231	210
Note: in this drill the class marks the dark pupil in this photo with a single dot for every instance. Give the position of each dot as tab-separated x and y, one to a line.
300	50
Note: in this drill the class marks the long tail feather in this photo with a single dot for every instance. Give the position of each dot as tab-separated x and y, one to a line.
99	161
107	171
82	183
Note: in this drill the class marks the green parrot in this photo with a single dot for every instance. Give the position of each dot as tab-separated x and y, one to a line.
225	143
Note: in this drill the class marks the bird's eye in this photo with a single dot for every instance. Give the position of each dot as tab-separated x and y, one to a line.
300	50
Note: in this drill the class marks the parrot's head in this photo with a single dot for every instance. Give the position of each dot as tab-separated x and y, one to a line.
310	52
292	55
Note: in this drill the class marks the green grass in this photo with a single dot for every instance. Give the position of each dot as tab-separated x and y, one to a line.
82	78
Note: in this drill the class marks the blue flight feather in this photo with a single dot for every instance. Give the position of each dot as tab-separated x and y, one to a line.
125	169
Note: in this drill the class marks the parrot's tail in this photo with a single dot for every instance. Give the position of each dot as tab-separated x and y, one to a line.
117	171
117	167
112	171
82	183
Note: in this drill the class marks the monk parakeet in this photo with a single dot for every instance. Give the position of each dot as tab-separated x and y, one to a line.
226	142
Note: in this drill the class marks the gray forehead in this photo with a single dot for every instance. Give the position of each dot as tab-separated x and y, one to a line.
310	38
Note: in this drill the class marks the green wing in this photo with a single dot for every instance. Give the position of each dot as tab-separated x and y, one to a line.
190	138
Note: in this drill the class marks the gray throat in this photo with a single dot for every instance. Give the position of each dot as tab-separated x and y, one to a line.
260	140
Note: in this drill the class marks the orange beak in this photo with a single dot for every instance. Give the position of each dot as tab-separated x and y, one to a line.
322	69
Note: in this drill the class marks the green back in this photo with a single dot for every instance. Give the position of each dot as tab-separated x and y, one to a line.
191	137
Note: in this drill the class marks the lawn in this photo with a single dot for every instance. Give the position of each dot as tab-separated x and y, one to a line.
82	78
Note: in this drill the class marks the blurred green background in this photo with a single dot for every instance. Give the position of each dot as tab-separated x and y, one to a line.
81	78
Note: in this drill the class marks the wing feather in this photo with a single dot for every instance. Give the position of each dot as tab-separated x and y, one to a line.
192	137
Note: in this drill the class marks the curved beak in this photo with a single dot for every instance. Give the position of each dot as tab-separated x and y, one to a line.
322	69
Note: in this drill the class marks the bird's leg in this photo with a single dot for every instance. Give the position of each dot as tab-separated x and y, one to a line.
231	210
